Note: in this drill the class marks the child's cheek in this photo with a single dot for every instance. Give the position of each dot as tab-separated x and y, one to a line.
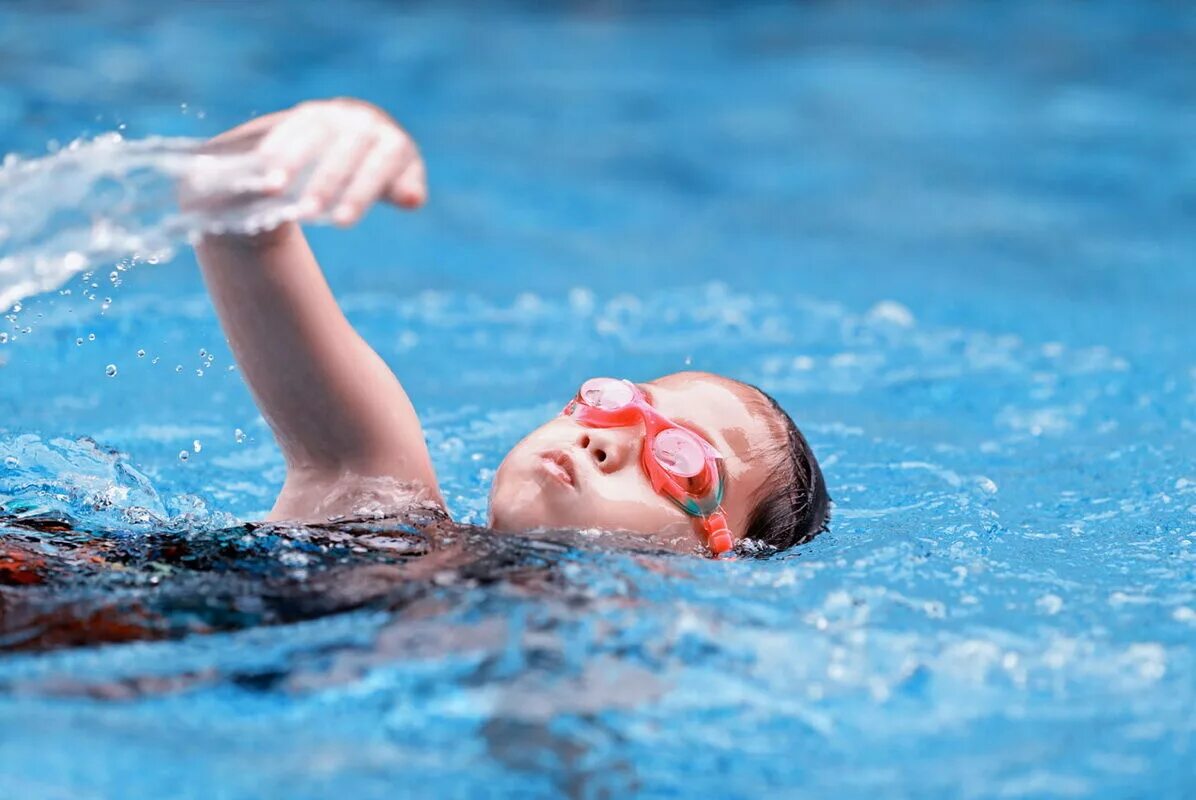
624	500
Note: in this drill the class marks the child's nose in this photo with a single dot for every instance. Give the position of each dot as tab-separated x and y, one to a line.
610	449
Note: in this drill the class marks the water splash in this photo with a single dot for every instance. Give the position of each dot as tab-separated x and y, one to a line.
93	485
108	198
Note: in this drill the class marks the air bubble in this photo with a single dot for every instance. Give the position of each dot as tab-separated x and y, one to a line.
184	455
141	354
3	338
196	445
12	462
239	436
91	337
79	342
199	373
110	370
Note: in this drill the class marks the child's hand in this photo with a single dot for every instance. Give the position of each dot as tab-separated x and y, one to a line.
336	157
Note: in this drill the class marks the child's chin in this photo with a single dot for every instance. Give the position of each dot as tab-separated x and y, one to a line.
529	514
518	500
515	514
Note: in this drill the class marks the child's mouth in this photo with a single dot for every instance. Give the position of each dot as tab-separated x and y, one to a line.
559	466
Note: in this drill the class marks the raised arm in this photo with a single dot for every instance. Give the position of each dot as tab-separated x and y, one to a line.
348	431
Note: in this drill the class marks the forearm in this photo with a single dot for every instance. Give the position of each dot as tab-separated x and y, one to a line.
333	404
345	425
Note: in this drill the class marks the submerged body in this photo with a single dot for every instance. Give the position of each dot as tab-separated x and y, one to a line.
60	587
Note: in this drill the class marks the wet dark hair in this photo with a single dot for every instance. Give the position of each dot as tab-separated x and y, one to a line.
793	507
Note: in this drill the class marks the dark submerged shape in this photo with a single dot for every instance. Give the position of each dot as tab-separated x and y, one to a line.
63	587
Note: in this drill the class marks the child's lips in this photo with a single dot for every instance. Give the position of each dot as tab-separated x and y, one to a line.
559	466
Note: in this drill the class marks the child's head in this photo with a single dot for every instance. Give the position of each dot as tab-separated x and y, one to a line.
566	474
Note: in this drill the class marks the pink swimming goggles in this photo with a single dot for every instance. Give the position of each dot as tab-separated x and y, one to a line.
680	464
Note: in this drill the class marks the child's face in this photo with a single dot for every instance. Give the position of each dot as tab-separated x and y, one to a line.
566	475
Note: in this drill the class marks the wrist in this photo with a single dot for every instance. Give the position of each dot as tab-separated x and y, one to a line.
257	241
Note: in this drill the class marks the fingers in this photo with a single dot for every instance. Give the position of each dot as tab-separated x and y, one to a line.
340	166
391	154
291	146
410	189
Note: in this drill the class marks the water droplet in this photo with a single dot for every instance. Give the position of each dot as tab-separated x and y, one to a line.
239	435
196	445
141	354
184	455
110	370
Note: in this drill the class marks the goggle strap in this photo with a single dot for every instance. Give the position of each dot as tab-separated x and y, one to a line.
718	538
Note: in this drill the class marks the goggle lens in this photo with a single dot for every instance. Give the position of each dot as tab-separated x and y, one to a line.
606	394
679	452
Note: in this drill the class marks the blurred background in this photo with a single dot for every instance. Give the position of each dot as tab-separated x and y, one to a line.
973	159
956	239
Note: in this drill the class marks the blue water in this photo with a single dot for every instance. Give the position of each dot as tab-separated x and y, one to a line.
955	240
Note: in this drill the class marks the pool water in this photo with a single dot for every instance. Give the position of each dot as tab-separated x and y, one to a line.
955	240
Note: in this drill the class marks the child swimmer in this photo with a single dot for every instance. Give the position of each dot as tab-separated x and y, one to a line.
686	461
